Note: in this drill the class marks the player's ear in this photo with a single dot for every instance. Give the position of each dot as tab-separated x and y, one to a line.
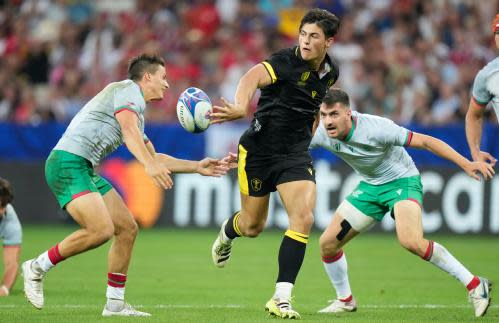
329	42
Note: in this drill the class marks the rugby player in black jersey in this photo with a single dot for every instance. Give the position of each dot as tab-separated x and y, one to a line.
273	152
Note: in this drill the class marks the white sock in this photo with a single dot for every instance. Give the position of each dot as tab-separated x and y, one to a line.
115	305
43	261
225	239
283	291
444	260
117	293
337	270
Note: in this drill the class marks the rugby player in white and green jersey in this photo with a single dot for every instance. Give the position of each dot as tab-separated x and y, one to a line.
113	117
485	91
11	235
374	147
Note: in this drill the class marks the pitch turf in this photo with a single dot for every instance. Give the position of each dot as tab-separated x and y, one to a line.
173	278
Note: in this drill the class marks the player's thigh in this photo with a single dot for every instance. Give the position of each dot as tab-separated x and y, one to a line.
254	210
120	214
408	221
90	212
298	197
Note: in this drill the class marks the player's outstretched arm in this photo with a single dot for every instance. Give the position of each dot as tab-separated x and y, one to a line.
474	126
11	267
135	143
256	77
441	149
205	167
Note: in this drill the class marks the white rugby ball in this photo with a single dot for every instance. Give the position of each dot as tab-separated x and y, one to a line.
193	110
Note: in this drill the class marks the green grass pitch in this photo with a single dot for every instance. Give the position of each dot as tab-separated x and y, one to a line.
172	277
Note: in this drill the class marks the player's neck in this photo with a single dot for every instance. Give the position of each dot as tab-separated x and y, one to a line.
347	130
318	64
145	93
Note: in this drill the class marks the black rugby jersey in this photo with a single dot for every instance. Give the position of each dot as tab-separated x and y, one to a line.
286	110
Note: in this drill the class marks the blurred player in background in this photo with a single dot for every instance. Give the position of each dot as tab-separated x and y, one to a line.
273	153
11	234
373	147
485	90
113	117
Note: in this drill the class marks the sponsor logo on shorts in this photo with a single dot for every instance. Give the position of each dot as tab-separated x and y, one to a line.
310	170
399	191
256	184
356	193
314	93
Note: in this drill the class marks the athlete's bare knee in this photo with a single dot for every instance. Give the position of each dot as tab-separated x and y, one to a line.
128	228
101	235
253	230
308	220
303	220
329	245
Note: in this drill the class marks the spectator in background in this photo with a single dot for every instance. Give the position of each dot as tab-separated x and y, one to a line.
408	47
11	234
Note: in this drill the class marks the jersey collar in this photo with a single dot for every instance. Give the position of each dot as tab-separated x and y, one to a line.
354	125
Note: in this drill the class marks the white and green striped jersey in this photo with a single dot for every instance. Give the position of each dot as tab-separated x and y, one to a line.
373	148
94	132
486	85
10	227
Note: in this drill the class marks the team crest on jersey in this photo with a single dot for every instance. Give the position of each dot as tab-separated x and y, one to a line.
314	93
256	184
304	76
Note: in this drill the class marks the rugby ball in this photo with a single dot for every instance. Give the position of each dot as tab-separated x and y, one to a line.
193	110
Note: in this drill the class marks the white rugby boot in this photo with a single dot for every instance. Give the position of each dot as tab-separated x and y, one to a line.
33	283
480	297
120	308
220	251
339	306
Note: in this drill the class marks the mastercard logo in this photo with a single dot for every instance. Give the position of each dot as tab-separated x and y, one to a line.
143	198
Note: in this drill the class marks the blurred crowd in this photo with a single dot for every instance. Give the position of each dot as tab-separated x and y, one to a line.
410	60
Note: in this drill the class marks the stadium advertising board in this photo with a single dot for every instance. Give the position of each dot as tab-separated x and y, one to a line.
452	201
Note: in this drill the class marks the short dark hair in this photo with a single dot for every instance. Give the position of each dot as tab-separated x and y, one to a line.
327	21
334	96
143	63
6	195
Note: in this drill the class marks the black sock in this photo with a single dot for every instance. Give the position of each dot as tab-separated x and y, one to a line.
231	228
291	255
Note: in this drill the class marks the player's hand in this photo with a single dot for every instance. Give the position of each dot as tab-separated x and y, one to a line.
228	112
230	160
211	167
159	174
485	157
473	169
4	291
